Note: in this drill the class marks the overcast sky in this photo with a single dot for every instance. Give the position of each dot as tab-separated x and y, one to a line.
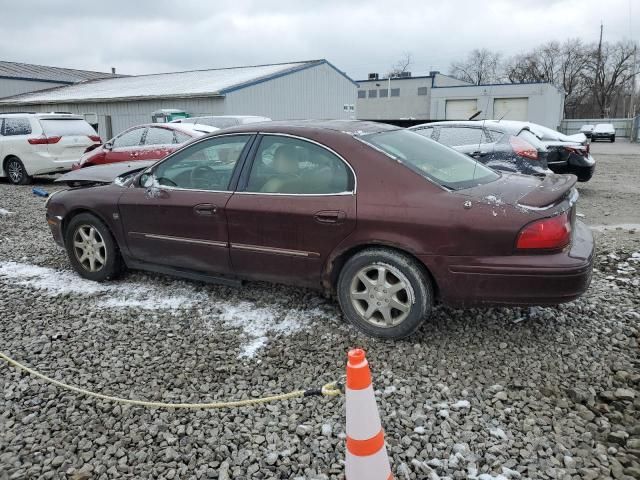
358	36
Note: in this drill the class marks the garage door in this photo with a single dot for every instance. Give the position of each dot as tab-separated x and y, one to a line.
511	109
460	109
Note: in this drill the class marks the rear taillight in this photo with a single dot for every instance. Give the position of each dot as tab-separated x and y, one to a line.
95	138
44	140
547	234
583	152
523	148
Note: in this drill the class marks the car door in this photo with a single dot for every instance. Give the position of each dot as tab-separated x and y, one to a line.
157	143
472	141
295	203
125	146
179	218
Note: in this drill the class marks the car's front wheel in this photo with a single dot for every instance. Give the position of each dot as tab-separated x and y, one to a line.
385	293
91	248
15	171
613	138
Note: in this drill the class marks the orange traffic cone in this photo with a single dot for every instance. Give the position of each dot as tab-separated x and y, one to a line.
367	457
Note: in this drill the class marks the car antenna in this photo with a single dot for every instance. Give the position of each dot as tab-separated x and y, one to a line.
504	115
475	115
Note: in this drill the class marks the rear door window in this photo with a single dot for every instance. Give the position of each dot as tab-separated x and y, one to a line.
158	136
425	132
16	126
458	136
131	138
181	137
61	127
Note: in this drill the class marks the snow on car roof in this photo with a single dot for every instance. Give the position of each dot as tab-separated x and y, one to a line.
179	84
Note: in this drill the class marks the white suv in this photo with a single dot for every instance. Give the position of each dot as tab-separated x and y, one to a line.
42	143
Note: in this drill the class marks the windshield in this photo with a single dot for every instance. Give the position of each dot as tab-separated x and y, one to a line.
432	160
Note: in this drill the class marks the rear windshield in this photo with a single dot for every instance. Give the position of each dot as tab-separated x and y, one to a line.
533	140
218	122
67	126
439	163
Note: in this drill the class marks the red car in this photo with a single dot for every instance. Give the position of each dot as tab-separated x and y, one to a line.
144	142
384	218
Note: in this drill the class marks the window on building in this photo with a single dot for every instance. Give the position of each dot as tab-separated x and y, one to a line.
373	93
384	93
422	90
362	94
292	166
395	92
16	126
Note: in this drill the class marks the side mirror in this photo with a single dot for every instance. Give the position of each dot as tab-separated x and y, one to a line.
108	146
146	179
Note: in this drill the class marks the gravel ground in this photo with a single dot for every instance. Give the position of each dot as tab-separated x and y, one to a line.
498	393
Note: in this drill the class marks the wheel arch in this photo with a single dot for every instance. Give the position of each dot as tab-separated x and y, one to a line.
79	210
337	261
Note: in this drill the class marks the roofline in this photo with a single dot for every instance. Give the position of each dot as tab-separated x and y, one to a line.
30	79
106	100
273	76
396	78
495	85
303	65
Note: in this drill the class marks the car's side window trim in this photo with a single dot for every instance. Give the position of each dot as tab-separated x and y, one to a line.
242	185
239	164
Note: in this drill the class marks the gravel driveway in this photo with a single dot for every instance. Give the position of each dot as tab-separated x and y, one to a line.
499	393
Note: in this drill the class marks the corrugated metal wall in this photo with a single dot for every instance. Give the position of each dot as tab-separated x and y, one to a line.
571	126
12	86
318	92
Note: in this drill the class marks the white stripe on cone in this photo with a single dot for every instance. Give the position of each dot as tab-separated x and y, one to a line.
373	467
363	420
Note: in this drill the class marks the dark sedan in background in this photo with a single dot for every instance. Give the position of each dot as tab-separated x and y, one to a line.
565	153
384	218
502	146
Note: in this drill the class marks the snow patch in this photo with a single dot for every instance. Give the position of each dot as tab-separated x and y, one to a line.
4	212
257	323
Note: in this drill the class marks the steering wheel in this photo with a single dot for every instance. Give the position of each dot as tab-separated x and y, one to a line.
204	177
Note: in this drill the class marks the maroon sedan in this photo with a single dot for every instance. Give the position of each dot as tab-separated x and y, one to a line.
143	142
386	219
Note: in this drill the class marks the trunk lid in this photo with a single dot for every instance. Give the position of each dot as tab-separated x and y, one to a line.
524	191
74	137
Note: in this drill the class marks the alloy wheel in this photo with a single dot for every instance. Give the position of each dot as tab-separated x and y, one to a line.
14	170
89	248
381	295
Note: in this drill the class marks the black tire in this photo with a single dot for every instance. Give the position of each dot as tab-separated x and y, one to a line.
419	295
613	139
15	171
112	265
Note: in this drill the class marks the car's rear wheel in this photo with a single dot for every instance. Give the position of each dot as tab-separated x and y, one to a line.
15	171
385	293
91	248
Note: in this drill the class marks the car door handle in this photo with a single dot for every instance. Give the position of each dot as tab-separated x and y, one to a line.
205	209
330	216
478	154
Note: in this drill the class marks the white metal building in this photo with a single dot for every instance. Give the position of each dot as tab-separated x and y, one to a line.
17	78
440	97
399	98
540	103
299	90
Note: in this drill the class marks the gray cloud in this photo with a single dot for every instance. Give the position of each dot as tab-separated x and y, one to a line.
358	36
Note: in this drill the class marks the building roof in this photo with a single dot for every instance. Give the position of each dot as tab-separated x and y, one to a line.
41	73
195	83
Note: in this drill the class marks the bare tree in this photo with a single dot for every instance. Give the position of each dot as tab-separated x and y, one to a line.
401	66
563	65
609	70
480	66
